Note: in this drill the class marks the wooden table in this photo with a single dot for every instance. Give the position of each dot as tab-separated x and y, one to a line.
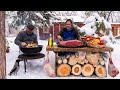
57	49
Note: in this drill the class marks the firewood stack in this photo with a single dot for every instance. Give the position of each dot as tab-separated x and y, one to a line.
82	63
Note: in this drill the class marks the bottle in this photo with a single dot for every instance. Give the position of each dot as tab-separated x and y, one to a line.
50	41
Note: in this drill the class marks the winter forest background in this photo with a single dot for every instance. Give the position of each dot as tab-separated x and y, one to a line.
15	21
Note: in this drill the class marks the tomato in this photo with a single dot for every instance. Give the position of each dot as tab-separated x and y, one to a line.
91	38
102	42
98	38
87	38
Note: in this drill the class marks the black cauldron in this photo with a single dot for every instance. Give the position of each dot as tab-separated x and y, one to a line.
31	50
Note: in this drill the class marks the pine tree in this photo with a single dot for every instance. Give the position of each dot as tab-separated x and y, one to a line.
100	26
38	18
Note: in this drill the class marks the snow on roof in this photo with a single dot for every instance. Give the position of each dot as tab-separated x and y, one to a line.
64	18
114	23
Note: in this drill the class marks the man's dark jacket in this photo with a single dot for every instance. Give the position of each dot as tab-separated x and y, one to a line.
23	36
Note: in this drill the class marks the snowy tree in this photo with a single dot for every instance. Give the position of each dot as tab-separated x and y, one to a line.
17	20
105	14
96	25
38	18
110	16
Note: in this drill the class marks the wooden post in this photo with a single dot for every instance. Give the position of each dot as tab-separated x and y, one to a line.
59	27
56	56
53	32
2	46
37	30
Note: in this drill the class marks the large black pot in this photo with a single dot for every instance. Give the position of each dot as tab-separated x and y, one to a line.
31	50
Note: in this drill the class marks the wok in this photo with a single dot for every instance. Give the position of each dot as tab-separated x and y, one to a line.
31	50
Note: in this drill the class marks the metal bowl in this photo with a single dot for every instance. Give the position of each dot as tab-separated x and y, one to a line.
31	50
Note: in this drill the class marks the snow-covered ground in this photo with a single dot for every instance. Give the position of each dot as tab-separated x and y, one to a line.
35	67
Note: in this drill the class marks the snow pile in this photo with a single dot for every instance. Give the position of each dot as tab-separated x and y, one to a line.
12	45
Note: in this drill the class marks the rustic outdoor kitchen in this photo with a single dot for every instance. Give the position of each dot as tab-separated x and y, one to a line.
87	61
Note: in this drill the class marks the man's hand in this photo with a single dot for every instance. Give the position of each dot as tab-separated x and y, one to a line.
59	38
23	44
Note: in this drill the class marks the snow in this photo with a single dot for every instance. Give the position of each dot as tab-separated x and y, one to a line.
89	19
39	15
35	67
64	18
96	18
117	35
88	31
61	16
22	27
107	25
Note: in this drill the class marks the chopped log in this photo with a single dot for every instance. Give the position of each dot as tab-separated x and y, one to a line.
76	55
63	70
76	69
82	63
87	70
65	60
59	61
93	58
82	53
80	57
95	65
67	57
101	61
85	61
72	60
100	71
